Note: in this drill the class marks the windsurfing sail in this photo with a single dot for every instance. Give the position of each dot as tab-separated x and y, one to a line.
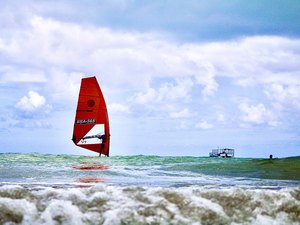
91	125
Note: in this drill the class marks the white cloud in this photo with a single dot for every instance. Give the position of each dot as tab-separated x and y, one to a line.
136	61
166	92
257	114
204	125
10	74
31	102
185	113
122	56
118	108
63	85
146	97
183	125
286	95
253	60
221	117
132	59
32	124
206	76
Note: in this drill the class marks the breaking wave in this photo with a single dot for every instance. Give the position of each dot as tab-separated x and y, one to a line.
105	204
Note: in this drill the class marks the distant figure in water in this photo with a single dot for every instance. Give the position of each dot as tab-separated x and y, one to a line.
271	156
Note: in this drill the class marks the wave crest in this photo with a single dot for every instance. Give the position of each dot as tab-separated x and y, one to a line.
102	204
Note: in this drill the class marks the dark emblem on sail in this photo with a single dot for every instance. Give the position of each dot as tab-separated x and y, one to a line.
90	103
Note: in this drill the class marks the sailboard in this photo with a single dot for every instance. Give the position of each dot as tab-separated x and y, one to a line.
91	125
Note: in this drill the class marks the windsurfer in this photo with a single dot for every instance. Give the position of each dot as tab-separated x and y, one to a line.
91	126
99	136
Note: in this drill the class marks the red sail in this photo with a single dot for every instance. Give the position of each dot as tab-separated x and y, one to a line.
91	126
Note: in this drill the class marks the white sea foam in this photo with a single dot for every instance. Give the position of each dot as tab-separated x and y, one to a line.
102	204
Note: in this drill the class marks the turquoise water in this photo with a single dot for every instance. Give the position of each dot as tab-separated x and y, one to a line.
68	189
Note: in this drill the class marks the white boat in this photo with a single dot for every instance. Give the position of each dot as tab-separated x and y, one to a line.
222	153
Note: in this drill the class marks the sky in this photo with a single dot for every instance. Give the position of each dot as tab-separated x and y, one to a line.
179	77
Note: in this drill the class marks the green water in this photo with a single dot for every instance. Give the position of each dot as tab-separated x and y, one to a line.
149	170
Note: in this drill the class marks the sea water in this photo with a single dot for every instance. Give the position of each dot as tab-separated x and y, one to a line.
66	189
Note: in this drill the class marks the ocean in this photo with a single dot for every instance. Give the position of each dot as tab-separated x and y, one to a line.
69	189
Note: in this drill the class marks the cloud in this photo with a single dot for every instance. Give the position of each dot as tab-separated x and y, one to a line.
31	111
122	58
185	113
63	86
285	95
255	59
33	102
146	97
156	73
204	125
257	114
118	108
168	91
133	59
205	75
32	124
11	74
221	118
164	99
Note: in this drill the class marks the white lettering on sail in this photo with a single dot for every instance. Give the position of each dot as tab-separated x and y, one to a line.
86	121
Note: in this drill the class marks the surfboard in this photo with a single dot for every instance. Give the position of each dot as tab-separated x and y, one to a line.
91	125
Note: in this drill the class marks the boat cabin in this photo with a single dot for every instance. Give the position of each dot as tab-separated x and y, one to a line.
223	153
